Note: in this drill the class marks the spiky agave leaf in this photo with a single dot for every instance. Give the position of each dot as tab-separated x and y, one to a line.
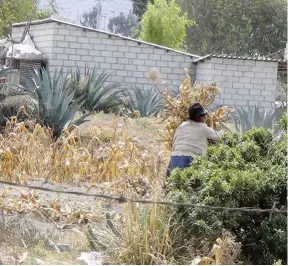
246	120
109	100
269	118
70	113
242	121
147	102
55	99
4	72
257	117
99	97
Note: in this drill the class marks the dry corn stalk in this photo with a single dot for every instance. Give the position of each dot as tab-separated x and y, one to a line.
102	155
176	109
226	251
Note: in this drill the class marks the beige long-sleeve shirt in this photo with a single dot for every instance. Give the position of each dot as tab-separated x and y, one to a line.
191	138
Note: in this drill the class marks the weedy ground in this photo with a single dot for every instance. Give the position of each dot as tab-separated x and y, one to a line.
108	154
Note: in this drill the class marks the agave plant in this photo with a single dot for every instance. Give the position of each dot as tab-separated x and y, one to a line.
253	117
13	100
99	97
54	98
4	71
144	103
3	74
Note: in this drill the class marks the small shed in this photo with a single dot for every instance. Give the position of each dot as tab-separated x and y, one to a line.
23	56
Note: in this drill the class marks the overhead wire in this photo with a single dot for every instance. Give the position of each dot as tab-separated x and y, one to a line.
122	199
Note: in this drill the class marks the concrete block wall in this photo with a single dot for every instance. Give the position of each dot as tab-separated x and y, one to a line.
130	61
42	36
242	82
280	92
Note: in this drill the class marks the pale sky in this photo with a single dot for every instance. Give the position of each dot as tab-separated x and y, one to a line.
73	9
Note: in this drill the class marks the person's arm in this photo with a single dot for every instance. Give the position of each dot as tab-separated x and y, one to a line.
213	135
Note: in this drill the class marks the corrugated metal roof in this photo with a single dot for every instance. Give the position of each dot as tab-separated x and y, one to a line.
226	56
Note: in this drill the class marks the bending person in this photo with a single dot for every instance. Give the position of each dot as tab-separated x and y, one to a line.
191	138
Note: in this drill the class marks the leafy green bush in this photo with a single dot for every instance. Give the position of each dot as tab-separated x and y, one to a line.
242	171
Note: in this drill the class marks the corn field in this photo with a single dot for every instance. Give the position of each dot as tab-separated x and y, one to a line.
28	150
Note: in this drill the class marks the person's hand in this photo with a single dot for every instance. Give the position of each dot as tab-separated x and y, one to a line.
213	142
217	126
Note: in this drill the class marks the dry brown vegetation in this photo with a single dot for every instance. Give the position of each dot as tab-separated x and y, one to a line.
106	149
108	154
112	155
176	109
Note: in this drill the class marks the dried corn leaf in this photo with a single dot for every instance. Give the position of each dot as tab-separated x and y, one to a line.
176	108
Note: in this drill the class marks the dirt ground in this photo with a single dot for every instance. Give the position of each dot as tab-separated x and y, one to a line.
46	220
32	232
32	235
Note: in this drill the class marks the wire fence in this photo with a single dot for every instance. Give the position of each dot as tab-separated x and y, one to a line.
122	199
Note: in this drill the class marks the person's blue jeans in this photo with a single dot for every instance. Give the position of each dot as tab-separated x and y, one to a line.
180	162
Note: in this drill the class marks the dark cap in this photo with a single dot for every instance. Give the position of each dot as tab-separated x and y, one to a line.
196	110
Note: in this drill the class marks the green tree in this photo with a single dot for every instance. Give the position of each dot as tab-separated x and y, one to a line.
163	24
13	11
244	27
123	24
92	19
140	7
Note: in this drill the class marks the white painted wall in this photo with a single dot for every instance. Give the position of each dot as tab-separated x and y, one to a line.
42	35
